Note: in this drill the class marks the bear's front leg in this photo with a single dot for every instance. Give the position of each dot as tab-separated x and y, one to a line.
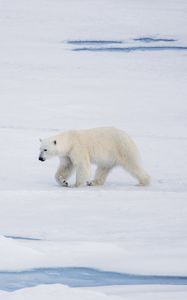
60	180
101	175
83	174
64	171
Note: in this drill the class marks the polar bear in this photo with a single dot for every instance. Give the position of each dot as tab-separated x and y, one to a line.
106	147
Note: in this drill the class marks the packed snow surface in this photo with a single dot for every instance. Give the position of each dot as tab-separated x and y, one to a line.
46	88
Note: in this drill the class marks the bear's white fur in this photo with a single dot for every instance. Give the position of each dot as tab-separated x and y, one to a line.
106	147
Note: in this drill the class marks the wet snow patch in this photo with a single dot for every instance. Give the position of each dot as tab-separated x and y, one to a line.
14	237
131	45
94	42
80	277
132	49
151	39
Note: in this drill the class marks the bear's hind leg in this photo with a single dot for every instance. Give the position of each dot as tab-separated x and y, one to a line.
64	172
141	175
137	171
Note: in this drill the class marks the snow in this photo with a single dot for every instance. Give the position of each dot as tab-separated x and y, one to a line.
117	230
47	88
57	291
143	292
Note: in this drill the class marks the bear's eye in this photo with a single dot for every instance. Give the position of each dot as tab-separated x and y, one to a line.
45	150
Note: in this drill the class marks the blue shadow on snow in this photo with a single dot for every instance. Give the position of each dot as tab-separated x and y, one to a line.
80	277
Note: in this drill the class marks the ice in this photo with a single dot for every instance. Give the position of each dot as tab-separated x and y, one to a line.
47	88
80	277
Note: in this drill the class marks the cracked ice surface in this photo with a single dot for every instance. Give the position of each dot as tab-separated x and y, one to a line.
46	88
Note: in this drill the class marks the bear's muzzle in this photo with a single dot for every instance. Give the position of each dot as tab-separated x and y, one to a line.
41	158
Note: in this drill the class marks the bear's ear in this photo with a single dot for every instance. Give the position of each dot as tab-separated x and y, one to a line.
54	142
40	140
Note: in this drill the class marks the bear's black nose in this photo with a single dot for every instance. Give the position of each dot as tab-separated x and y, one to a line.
41	158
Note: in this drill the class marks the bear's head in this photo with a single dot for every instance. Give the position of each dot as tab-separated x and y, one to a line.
48	149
